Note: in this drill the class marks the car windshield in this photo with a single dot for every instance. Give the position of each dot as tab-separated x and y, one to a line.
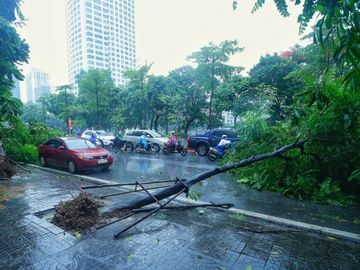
231	134
155	134
102	133
79	144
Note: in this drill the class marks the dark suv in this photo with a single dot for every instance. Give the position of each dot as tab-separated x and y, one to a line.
211	138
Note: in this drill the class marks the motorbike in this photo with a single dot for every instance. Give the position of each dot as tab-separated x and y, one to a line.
119	143
213	154
178	148
152	148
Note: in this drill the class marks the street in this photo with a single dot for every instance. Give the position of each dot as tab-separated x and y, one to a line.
223	188
170	239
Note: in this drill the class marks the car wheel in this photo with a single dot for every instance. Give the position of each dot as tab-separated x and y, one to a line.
137	148
183	152
129	147
72	166
156	147
202	149
43	161
212	156
165	151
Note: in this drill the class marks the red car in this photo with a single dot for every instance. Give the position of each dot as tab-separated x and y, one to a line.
75	154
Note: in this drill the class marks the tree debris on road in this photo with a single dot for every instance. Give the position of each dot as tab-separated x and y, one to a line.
78	214
6	170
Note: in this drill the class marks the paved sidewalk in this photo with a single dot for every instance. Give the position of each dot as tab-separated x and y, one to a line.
169	240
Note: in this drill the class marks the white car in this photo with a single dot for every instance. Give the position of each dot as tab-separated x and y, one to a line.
154	137
104	137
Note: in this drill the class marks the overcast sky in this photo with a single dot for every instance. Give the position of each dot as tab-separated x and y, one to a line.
167	31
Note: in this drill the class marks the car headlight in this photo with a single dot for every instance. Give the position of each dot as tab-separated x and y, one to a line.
86	157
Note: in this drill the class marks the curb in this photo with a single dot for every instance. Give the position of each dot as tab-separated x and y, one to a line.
277	220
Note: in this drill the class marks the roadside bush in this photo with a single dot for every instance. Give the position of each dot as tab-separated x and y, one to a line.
21	142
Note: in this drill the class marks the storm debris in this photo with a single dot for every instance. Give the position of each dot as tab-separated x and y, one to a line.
78	214
6	170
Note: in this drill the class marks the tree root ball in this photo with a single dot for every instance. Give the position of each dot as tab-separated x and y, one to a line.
6	170
78	214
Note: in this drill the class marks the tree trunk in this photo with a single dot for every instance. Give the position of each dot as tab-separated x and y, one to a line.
156	122
169	191
166	123
211	97
187	125
152	121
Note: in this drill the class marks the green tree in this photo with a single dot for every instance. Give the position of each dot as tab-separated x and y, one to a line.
32	112
13	53
62	102
10	10
213	68
337	30
94	91
273	70
161	98
190	98
240	95
138	94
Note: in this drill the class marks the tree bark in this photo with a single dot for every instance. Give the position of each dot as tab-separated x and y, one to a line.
187	125
211	95
169	191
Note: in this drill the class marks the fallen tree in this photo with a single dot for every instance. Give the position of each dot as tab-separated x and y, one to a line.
187	183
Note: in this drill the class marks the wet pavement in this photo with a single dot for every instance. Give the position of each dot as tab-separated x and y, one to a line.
131	167
187	239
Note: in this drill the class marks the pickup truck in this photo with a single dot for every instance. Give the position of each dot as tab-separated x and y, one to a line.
211	138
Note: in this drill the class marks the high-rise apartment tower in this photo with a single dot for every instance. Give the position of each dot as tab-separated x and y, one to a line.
37	84
100	34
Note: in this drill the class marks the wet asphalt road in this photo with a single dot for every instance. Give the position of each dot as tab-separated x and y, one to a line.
131	167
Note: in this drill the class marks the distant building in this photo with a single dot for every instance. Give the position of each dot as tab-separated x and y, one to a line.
100	34
16	89
229	119
37	84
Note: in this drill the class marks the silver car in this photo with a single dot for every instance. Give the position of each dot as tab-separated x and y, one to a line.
104	137
154	137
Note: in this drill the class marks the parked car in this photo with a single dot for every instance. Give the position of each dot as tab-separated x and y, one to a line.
155	138
104	137
74	153
211	138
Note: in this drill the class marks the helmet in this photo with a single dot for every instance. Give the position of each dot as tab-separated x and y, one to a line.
224	136
172	132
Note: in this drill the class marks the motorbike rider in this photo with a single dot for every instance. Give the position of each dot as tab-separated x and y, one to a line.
119	141
172	140
143	141
93	138
223	144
